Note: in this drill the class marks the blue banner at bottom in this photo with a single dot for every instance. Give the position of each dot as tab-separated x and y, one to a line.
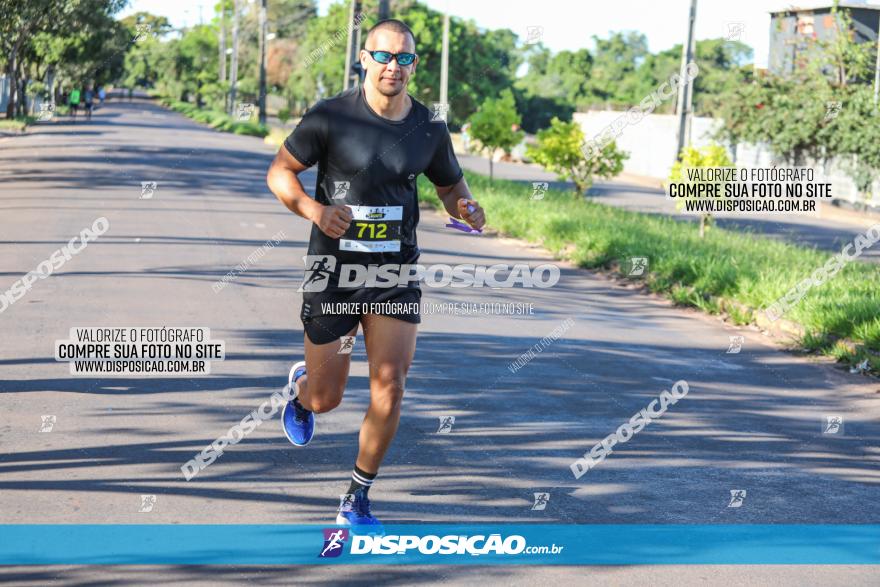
530	544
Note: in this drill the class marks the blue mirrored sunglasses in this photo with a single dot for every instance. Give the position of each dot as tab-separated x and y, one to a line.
385	57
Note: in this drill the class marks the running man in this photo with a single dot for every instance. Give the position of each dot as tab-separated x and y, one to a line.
379	139
89	98
74	102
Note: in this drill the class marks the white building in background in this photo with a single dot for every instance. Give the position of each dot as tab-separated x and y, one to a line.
652	142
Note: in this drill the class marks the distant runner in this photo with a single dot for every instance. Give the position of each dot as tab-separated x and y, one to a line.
74	102
89	97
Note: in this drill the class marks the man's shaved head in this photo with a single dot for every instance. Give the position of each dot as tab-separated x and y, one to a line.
395	37
391	25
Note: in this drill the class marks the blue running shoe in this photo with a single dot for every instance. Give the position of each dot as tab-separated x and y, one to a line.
354	511
298	422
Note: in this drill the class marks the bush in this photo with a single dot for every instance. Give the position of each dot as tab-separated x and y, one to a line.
559	149
712	155
216	120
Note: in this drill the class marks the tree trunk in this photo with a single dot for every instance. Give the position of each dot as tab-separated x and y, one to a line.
21	80
10	75
491	163
23	101
233	65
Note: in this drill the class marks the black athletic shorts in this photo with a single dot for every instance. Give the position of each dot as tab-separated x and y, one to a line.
326	316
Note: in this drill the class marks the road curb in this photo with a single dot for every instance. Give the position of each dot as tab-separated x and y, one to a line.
785	333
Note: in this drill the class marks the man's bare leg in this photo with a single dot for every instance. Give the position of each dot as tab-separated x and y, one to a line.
321	388
391	344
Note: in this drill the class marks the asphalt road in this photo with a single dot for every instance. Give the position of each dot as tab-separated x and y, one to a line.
751	420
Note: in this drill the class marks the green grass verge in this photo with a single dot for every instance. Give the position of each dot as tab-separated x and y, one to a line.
748	270
17	124
217	120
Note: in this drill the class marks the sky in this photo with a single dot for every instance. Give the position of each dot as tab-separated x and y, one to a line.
568	24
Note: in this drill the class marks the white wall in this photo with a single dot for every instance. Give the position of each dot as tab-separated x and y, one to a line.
651	144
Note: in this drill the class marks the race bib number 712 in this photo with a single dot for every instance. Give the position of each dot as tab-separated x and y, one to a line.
373	229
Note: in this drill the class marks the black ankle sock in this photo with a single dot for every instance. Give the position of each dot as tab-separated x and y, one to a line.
360	479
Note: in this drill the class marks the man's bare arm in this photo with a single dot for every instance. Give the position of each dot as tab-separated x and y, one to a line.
283	179
459	202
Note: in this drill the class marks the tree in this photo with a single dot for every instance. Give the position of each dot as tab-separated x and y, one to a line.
559	150
493	125
712	155
823	109
23	21
615	61
148	59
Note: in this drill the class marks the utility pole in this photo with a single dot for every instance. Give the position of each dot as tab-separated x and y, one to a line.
384	10
233	65
877	68
354	43
262	97
444	61
685	88
223	52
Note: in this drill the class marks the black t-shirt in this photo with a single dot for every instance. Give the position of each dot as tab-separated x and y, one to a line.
370	164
